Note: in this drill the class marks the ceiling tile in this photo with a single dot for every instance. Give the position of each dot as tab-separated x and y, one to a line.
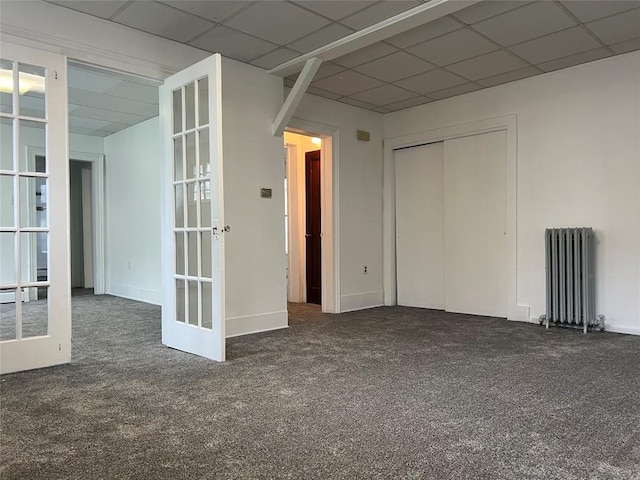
382	110
525	23
93	82
626	47
322	93
278	22
162	20
81	131
124	105
411	102
321	38
383	95
136	91
487	65
326	70
365	55
509	77
89	123
587	11
378	12
431	81
424	32
114	127
275	58
452	92
347	83
395	66
99	8
107	115
618	28
214	10
557	45
357	103
335	9
100	133
576	59
78	96
232	43
486	9
453	47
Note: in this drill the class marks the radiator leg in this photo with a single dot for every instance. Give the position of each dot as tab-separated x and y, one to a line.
586	324
601	320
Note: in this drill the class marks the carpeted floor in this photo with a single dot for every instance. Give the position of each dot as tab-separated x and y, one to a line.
382	393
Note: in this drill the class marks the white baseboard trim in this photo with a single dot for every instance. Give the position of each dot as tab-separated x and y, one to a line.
262	322
607	327
616	329
135	293
361	301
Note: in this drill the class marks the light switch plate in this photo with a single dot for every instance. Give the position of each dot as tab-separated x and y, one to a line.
266	193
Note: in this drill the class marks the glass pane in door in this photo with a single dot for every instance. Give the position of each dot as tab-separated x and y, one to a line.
7	314
32	89
6	140
35	311
192	204
6	93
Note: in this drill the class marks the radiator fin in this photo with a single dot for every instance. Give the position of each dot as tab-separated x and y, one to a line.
570	277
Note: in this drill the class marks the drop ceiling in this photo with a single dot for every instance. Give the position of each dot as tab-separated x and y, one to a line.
486	44
102	103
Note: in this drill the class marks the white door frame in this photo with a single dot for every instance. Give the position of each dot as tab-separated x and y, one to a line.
330	206
296	268
507	123
97	209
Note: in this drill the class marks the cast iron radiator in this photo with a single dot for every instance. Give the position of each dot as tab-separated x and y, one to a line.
570	279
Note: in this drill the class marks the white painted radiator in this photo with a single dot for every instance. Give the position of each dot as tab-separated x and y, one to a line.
570	279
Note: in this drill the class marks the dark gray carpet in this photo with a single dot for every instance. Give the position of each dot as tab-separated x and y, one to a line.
382	393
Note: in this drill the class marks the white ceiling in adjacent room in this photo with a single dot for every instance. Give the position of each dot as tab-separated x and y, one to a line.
486	44
102	103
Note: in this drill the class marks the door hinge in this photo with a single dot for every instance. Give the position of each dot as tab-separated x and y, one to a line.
55	74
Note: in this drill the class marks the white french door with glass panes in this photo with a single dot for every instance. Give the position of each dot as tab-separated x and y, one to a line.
35	294
193	233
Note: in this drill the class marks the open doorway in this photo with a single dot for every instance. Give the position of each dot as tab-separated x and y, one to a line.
305	217
81	224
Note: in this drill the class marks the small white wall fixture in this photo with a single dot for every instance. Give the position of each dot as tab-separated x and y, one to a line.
507	123
330	221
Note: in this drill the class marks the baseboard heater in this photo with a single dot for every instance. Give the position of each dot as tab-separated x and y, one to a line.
570	279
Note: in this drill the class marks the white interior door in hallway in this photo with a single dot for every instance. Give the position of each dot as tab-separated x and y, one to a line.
451	225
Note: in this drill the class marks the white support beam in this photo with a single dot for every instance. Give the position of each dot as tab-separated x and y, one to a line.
295	96
395	25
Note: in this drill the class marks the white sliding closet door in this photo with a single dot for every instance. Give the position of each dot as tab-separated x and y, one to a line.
475	204
419	226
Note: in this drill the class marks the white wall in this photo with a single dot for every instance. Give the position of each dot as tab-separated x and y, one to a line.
578	161
132	178
255	259
360	197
